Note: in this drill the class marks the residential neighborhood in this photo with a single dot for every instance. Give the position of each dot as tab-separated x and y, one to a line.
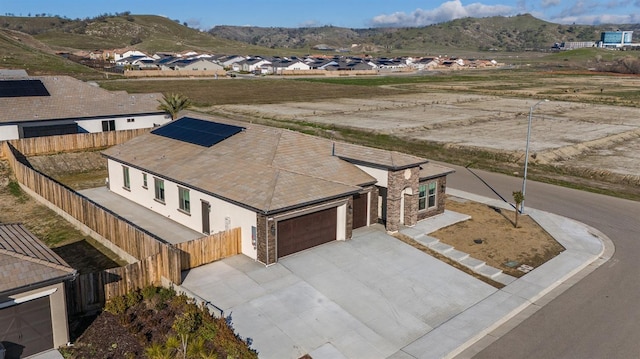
136	63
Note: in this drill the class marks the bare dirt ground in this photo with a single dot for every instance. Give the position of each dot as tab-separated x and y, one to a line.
562	133
502	246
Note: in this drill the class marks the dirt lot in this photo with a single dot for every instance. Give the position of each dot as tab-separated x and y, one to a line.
561	133
503	245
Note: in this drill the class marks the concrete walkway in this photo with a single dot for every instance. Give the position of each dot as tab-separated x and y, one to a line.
375	297
584	246
163	227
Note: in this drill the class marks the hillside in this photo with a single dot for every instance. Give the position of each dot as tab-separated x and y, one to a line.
21	51
517	33
146	32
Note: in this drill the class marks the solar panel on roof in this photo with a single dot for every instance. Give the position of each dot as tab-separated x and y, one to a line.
198	132
22	88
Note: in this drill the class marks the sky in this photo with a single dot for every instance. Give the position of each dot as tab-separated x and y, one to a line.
204	14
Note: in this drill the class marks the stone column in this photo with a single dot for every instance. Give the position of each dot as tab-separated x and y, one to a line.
397	182
266	239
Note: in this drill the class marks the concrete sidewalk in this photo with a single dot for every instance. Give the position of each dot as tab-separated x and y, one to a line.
584	247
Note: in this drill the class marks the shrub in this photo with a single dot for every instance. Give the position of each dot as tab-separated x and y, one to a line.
116	306
133	298
149	292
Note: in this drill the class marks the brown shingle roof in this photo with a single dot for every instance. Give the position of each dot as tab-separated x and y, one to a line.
267	169
71	98
25	260
432	170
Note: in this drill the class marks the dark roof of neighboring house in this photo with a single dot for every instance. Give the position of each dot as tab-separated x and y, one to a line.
263	168
25	261
71	98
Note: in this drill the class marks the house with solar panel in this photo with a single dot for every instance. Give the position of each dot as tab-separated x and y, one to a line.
287	191
34	106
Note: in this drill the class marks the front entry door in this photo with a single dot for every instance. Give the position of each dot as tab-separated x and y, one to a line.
206	209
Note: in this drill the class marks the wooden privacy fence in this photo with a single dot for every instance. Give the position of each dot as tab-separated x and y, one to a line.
207	249
88	292
73	142
156	258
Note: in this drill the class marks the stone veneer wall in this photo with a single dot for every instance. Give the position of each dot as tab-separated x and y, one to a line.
397	182
441	187
373	205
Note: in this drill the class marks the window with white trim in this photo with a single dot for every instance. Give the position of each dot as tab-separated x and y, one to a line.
183	199
144	180
427	196
159	189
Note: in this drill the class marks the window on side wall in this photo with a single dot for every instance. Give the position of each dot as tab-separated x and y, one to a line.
159	189
427	196
183	199
125	176
422	197
432	195
144	180
108	125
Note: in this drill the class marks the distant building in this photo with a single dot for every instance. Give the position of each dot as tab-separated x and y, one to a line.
616	38
572	45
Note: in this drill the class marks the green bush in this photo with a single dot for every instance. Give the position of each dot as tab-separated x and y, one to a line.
133	298
116	306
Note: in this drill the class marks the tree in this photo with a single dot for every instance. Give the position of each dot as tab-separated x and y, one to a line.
173	103
184	325
518	197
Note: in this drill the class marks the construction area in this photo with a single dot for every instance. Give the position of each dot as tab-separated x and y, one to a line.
595	137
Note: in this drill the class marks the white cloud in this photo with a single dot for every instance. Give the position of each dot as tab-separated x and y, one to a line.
598	19
447	11
309	23
550	3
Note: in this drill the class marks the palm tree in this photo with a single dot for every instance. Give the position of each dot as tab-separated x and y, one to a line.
173	103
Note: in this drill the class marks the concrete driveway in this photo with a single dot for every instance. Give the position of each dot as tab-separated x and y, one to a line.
364	298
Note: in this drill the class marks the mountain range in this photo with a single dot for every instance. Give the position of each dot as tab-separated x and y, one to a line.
157	33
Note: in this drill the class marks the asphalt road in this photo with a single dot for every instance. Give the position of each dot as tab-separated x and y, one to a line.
599	317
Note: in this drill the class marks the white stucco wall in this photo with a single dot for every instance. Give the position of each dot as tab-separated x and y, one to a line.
9	132
121	123
382	176
223	215
341	226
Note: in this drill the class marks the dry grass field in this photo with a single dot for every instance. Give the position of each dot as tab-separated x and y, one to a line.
586	136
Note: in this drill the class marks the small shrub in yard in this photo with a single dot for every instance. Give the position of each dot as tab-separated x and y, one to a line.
116	306
156	323
134	297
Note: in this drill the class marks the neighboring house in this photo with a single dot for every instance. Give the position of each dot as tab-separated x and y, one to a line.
289	65
254	64
287	191
57	105
229	60
426	63
33	310
196	64
135	60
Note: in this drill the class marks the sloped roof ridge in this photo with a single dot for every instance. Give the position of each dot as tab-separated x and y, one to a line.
27	246
37	260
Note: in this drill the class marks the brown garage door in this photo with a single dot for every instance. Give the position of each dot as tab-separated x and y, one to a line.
26	328
306	231
359	210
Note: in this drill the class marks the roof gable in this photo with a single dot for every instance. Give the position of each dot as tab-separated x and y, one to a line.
25	260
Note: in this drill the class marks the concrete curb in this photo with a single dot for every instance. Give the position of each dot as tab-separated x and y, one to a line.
586	248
